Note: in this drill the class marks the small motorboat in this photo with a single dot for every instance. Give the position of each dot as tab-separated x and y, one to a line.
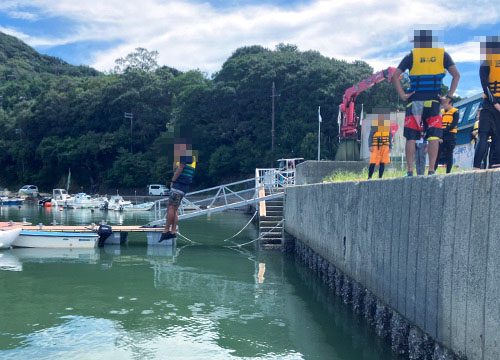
140	207
59	197
11	201
8	236
45	202
80	201
49	239
118	203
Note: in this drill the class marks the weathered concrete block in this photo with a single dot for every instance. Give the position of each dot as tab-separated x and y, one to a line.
362	234
370	307
331	276
434	235
444	310
460	261
386	245
396	206
339	282
347	290
311	172
420	345
441	353
413	242
423	237
400	329
377	244
406	212
383	321
492	296
476	271
358	296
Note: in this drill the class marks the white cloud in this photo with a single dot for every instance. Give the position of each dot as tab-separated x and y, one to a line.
16	33
25	15
198	35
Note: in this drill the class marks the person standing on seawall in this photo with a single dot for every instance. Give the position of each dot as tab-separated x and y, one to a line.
489	120
447	144
427	64
380	142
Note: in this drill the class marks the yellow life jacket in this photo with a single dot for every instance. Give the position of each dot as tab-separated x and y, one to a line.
448	119
493	60
381	138
427	71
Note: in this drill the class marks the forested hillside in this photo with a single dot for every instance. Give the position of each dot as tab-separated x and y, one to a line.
55	116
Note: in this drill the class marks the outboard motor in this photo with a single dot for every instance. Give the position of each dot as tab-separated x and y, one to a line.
104	232
105	205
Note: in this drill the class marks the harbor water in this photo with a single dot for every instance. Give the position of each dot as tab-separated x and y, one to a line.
201	300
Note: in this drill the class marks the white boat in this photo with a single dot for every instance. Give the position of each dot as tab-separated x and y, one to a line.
4	200
60	197
117	203
8	236
98	202
80	201
140	207
47	239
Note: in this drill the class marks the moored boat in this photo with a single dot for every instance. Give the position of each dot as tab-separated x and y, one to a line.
48	239
117	203
140	207
11	201
8	236
60	197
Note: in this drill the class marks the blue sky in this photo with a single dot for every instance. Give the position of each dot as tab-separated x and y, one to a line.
196	34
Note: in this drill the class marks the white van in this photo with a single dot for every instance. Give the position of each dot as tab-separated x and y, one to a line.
158	190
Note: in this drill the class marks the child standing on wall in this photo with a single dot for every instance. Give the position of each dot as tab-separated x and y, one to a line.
380	142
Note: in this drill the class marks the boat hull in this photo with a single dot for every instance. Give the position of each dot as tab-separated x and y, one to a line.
44	239
12	202
7	237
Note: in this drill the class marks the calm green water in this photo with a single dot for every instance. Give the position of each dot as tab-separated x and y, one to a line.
202	301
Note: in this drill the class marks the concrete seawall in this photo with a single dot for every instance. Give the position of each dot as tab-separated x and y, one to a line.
425	249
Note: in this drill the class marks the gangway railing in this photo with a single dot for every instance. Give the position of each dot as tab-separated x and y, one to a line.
274	177
222	197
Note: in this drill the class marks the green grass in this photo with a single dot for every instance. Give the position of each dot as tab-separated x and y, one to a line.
388	173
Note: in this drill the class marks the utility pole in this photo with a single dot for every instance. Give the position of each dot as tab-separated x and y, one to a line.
273	95
131	117
20	132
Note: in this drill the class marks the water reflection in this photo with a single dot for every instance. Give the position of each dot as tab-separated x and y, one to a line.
187	301
47	216
9	262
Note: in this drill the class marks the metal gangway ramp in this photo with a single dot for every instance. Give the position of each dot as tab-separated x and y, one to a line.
268	184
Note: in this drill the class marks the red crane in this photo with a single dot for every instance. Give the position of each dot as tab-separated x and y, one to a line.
348	127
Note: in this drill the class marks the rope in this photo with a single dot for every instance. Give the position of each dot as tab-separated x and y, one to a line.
260	236
244	227
186	238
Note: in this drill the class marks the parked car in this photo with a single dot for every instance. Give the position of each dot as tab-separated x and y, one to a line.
158	190
30	190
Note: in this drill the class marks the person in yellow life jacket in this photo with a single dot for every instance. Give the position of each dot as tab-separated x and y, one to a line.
447	144
427	64
380	143
185	160
489	120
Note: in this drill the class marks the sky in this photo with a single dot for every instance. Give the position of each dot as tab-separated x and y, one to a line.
191	34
